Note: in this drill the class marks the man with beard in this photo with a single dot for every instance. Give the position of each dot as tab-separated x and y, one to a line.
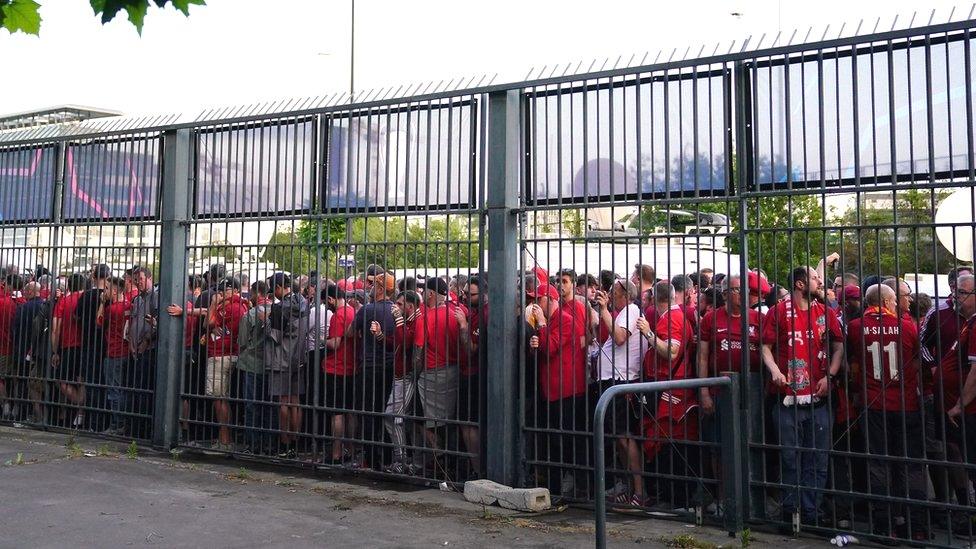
797	337
469	401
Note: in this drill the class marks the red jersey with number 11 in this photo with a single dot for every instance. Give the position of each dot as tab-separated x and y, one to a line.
883	350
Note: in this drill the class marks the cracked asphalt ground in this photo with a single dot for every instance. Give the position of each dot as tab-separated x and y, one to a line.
59	490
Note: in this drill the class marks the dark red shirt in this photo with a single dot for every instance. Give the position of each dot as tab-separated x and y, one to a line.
723	333
952	371
939	332
883	349
477	322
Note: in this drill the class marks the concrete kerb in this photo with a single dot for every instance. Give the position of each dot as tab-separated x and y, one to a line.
353	491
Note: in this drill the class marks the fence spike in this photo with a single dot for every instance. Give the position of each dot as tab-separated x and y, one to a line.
895	21
931	17
951	13
841	31
876	23
826	30
776	41
792	36
745	43
971	10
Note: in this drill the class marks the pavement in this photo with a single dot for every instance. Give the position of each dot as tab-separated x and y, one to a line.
60	490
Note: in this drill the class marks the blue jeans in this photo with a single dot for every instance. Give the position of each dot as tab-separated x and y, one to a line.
113	370
804	438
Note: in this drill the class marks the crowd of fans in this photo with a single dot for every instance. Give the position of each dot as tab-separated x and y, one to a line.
371	371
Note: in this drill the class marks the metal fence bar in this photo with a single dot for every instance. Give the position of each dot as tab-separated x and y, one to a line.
175	212
730	446
504	115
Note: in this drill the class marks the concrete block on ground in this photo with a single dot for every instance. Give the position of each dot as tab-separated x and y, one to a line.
486	492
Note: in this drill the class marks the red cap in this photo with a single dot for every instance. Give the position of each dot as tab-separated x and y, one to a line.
758	284
541	275
852	292
544	290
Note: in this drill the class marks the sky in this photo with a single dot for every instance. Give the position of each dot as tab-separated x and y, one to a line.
234	52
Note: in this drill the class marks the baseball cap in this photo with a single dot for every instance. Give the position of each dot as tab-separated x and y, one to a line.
758	283
545	290
279	279
437	284
852	292
101	271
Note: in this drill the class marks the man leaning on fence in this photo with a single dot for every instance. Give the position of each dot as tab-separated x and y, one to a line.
285	358
798	337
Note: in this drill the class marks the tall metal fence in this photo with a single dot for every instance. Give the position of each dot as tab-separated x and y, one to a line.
439	287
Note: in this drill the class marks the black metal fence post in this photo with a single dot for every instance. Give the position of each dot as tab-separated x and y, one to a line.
174	208
500	422
732	462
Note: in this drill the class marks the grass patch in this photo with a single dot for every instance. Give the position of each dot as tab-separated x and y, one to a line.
241	474
19	460
687	541
132	451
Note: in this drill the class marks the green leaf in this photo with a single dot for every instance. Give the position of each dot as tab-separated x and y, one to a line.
20	15
183	5
137	14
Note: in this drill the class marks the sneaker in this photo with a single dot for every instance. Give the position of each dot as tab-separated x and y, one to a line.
78	421
114	432
287	453
843	524
7	411
618	488
399	468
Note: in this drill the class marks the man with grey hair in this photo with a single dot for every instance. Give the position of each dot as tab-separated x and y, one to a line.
619	361
882	349
720	350
903	296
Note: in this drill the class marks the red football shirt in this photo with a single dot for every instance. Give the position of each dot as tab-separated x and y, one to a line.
674	327
477	322
723	333
7	309
341	361
403	338
951	373
562	357
439	334
884	349
113	322
64	310
799	340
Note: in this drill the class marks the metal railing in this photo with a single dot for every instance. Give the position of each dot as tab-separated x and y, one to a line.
731	453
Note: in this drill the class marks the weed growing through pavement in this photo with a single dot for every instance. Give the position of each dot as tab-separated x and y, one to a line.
132	451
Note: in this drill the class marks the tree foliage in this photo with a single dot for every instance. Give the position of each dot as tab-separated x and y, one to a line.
221	248
24	15
892	238
394	242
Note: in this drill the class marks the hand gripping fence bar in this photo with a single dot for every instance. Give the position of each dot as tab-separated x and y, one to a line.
731	443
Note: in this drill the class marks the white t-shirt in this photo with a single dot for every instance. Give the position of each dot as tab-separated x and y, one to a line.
623	362
318	326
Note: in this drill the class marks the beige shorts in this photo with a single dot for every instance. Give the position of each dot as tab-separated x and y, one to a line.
218	375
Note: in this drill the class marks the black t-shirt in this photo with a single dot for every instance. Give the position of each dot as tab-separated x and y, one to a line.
376	354
87	312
